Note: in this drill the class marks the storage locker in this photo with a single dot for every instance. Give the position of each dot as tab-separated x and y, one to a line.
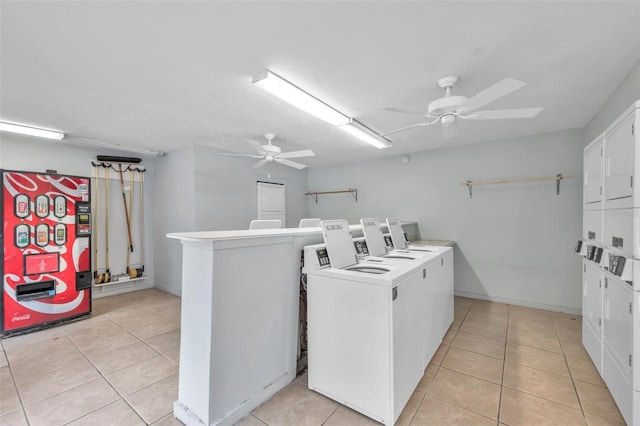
593	174
592	312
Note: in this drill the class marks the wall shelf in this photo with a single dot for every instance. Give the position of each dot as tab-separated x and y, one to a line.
353	192
557	178
120	281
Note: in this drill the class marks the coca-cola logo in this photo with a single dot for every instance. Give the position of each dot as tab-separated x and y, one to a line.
17	318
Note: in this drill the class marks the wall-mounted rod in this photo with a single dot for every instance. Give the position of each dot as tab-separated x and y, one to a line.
469	184
353	192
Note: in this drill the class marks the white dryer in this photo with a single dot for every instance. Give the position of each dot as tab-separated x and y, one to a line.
364	348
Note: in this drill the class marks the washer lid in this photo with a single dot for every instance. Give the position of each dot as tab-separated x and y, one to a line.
337	238
373	236
396	232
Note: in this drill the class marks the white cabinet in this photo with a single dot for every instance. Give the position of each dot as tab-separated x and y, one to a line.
618	342
615	209
365	349
592	312
593	174
617	322
619	163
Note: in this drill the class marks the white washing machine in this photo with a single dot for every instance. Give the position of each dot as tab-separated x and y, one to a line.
364	349
444	310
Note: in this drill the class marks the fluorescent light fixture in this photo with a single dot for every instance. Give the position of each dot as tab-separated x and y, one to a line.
297	97
92	142
365	134
30	131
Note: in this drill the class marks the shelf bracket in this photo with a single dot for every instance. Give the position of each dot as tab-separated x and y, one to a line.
558	179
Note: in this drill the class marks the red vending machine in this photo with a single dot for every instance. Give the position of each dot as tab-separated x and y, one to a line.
46	239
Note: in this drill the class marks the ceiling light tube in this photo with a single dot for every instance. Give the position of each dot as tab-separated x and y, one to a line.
92	142
297	97
30	131
365	134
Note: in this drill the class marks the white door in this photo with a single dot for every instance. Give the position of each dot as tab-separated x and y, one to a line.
271	201
592	297
617	324
619	166
593	174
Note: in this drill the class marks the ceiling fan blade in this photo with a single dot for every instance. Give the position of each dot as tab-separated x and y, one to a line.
406	111
450	131
296	154
289	163
260	164
503	113
240	155
257	145
490	94
426	123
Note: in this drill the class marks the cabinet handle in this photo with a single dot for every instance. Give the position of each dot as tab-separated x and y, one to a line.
606	309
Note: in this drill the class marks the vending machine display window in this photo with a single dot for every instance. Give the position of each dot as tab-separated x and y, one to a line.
42	235
21	206
42	206
41	263
60	234
60	207
21	236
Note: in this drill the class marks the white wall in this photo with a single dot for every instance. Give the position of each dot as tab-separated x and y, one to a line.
34	155
514	241
199	190
627	93
174	212
226	190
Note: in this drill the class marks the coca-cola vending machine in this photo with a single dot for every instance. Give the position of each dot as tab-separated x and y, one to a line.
46	243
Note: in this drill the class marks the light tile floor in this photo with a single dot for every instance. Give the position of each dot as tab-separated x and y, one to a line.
498	364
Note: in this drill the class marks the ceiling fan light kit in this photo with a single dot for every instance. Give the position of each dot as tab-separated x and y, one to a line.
299	98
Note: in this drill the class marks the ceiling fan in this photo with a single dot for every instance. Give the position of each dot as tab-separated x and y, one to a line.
449	108
268	153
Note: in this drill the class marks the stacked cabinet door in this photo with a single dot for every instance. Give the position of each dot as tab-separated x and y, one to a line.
593	174
618	341
592	312
619	163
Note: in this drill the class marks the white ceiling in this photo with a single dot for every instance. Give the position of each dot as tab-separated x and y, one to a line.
165	75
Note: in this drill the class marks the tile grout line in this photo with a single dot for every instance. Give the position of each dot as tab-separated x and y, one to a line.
103	377
15	386
573	382
504	364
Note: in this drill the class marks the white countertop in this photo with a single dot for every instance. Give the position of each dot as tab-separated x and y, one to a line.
256	233
246	233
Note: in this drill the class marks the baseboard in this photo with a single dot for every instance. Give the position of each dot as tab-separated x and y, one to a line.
517	302
189	418
126	287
